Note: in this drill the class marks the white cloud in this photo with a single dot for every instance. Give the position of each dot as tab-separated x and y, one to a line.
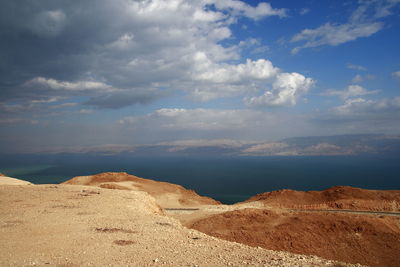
102	95
333	34
253	45
361	78
224	80
362	107
47	100
286	90
206	70
69	86
142	45
356	67
396	74
363	22
261	10
350	91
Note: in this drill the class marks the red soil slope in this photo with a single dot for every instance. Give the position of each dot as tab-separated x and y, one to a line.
366	239
338	197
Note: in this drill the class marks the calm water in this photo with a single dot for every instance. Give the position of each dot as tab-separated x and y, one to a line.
228	179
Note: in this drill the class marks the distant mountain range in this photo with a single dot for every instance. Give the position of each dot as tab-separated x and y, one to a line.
298	146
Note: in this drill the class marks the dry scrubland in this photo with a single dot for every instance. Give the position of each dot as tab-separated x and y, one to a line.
116	219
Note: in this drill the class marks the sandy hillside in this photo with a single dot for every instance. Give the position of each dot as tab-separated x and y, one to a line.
342	223
167	195
72	225
5	180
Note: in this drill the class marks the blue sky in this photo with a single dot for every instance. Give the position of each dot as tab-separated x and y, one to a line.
144	72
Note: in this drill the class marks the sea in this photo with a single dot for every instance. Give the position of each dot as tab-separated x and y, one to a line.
228	179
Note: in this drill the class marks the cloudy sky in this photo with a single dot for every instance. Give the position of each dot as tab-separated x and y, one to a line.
99	72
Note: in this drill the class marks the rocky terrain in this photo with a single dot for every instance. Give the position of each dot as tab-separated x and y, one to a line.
74	225
118	219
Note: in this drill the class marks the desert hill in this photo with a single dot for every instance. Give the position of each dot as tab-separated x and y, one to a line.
166	194
5	180
285	220
367	239
120	219
342	223
74	225
338	197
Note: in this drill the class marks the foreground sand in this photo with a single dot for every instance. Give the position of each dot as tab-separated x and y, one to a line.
72	225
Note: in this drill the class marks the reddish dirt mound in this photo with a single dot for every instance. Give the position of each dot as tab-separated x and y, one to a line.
156	189
364	239
338	197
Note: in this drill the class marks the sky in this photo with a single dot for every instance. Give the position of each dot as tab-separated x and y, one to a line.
129	72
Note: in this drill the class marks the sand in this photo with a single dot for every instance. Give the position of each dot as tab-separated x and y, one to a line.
73	225
117	219
4	180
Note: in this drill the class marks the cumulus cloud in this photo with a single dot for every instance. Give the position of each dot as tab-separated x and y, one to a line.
261	10
363	22
221	80
114	51
351	91
206	70
286	90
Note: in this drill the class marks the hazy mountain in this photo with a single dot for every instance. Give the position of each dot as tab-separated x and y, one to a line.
297	146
